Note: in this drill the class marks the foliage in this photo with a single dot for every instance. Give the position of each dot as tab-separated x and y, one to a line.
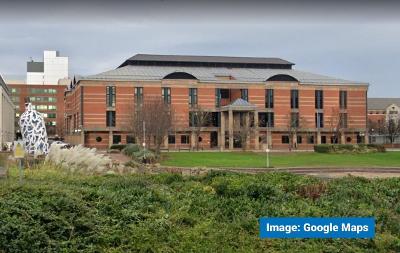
348	148
54	211
118	146
79	159
279	160
139	154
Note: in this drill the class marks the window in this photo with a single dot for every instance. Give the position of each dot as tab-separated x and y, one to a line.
166	94
51	115
244	94
224	93
40	107
323	139
52	107
99	139
285	139
110	96
215	119
310	139
116	139
319	120
217	97
43	91
185	139
110	118
266	119
294	99
294	119
15	99
343	120
319	99
299	139
14	90
348	139
343	99
139	96
269	98
192	97
130	139
171	139
43	99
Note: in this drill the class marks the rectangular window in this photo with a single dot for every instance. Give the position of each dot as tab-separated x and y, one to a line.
266	119
130	139
285	139
14	90
294	99
185	139
51	115
171	139
299	139
116	139
52	107
319	120
42	91
110	118
323	139
192	97
244	94
139	96
310	139
110	97
225	93
269	98
166	94
294	119
217	97
319	99
215	119
343	99
343	120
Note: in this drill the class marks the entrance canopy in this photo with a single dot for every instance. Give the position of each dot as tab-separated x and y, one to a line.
239	105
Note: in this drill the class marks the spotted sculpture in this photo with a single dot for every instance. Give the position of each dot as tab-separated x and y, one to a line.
33	132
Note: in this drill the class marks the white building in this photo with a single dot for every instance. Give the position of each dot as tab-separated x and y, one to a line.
53	68
7	115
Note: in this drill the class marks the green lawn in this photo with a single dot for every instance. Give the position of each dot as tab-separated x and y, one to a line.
258	160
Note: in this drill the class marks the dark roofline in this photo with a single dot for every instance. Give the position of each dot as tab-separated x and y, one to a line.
207	61
4	85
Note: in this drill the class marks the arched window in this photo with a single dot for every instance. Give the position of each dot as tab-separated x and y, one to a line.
179	75
282	77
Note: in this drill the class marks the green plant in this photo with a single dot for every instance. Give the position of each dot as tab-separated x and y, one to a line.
118	146
131	148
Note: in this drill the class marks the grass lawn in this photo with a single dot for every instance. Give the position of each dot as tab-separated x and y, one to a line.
53	211
258	160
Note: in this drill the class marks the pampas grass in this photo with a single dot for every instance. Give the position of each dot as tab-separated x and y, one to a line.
79	159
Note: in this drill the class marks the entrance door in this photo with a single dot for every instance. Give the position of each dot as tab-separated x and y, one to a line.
213	139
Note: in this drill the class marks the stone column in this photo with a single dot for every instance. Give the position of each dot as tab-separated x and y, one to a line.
366	138
230	128
247	122
222	132
342	138
269	139
192	141
166	141
256	133
82	141
110	138
318	137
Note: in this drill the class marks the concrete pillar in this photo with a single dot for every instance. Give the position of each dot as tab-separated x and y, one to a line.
269	139
366	138
193	140
294	141
256	133
230	129
82	141
222	132
342	138
110	138
166	141
318	137
247	122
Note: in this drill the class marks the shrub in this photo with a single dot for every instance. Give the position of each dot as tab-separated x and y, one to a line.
145	156
130	149
118	146
313	191
348	148
79	159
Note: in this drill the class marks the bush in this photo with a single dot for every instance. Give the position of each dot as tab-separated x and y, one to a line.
348	148
118	146
130	149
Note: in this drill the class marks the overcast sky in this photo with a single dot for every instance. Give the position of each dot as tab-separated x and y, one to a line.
355	41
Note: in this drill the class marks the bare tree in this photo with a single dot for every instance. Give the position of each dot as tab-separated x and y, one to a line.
199	118
244	129
337	124
392	129
151	121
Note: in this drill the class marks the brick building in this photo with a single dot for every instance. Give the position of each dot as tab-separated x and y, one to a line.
380	110
282	106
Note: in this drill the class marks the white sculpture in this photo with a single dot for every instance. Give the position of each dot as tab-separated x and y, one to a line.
33	132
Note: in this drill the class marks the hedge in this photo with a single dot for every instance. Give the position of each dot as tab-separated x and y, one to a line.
348	148
118	146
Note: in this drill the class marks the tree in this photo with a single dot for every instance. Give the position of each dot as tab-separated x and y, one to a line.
151	121
199	118
338	124
244	129
392	129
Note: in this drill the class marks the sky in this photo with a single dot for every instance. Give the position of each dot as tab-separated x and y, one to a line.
357	40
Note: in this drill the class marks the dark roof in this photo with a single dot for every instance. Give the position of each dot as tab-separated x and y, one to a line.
382	103
207	61
32	66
